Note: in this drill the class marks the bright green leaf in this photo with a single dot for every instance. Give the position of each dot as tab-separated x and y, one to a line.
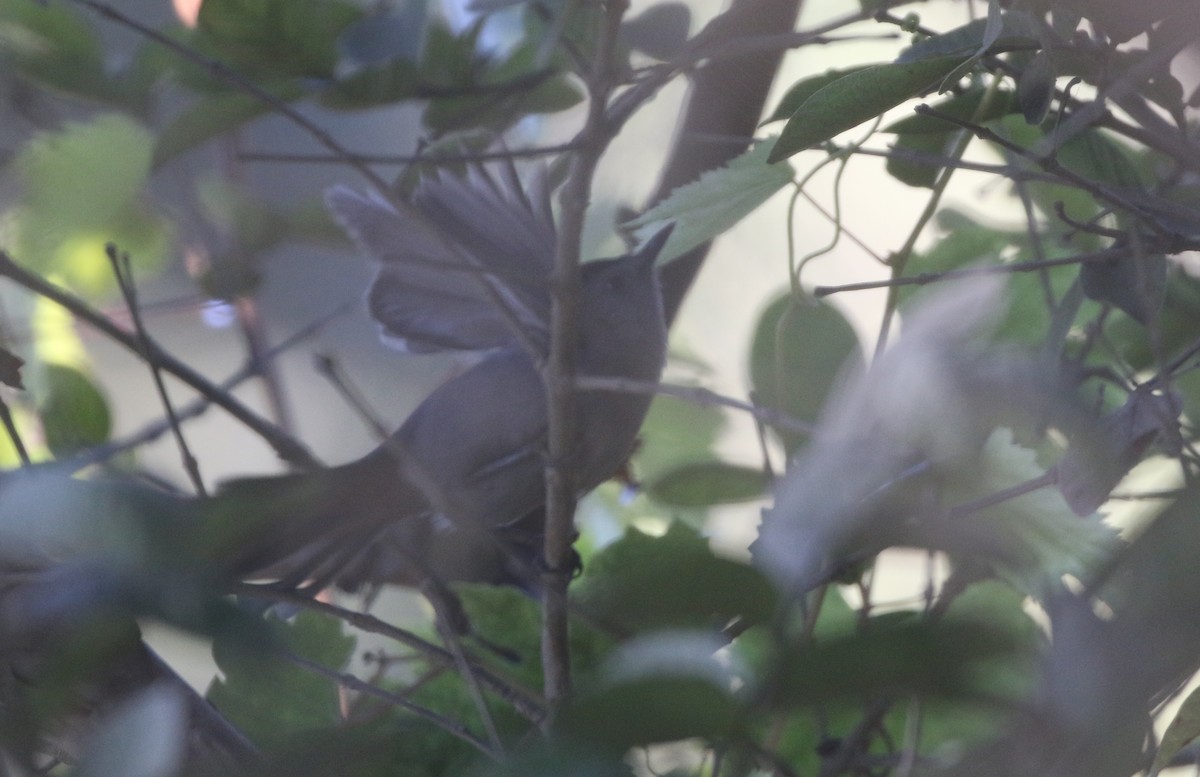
74	411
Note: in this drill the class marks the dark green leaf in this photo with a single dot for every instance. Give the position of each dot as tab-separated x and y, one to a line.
856	98
693	588
708	483
1134	284
1035	90
676	432
914	171
799	348
270	698
281	38
74	412
968	106
380	85
1016	31
804	89
212	115
660	31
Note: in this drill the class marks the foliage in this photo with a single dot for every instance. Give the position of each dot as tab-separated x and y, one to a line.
1044	360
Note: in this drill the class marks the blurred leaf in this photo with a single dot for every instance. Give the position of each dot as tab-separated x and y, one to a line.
10	369
1035	89
720	199
74	412
1135	284
659	687
967	106
911	171
145	737
1183	730
856	98
386	34
211	115
800	347
263	38
52	46
1176	324
895	656
269	698
1093	466
1016	30
693	588
1031	540
708	483
805	88
660	31
675	432
383	84
83	187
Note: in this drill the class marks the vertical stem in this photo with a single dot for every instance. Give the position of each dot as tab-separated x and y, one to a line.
560	368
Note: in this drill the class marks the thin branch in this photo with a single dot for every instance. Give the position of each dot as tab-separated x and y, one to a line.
520	699
124	274
349	681
438	158
288	448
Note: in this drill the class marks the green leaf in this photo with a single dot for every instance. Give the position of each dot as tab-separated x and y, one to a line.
968	106
912	171
676	432
800	347
74	411
1134	284
1183	730
52	46
712	205
856	98
660	687
1016	30
384	84
693	588
271	699
1035	89
708	483
262	38
83	187
211	115
804	89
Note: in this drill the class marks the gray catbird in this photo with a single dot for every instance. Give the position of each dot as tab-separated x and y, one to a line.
466	266
455	493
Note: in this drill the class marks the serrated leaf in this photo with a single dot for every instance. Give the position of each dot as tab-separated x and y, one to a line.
712	205
800	347
693	587
856	98
708	483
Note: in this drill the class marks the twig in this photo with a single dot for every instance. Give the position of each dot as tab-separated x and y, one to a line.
564	327
288	448
124	274
1103	255
14	435
330	369
521	700
408	159
349	681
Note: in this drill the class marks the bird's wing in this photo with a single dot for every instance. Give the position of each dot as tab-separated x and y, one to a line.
462	265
